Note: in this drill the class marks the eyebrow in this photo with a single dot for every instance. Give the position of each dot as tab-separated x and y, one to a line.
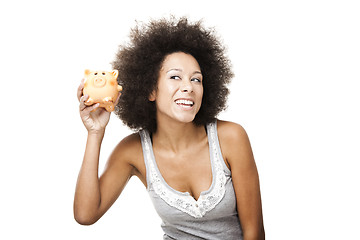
180	70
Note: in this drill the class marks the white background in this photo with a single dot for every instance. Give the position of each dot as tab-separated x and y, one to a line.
296	92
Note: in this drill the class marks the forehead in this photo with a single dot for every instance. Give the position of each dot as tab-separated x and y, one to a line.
181	61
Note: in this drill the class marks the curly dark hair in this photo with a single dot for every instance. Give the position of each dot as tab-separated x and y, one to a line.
140	61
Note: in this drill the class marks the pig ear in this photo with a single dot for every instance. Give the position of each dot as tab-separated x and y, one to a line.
87	72
115	73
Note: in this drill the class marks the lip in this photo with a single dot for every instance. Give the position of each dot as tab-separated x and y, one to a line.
185	107
187	99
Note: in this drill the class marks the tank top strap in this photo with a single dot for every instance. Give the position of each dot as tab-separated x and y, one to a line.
214	145
146	145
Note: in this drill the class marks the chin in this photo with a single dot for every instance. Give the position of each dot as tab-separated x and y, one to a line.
185	119
182	117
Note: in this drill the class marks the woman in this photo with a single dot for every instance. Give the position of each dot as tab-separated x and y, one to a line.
199	171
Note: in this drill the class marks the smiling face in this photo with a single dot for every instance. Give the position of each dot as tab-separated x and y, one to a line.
179	90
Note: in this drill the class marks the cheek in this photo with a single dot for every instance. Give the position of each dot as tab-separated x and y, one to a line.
200	97
167	91
163	95
200	92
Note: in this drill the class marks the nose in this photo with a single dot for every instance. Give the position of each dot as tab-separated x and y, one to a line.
99	82
186	86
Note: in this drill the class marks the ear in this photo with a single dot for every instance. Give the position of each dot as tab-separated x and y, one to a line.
152	97
115	73
87	72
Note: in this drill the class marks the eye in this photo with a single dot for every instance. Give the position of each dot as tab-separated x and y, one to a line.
95	73
103	73
196	80
175	77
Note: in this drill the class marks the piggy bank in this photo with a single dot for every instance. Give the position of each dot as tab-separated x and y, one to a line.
102	88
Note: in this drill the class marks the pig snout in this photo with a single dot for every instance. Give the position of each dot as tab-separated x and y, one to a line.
99	82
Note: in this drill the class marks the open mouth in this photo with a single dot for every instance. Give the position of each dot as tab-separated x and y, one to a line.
184	103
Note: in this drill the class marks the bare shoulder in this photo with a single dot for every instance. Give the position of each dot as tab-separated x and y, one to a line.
234	142
129	146
231	132
127	153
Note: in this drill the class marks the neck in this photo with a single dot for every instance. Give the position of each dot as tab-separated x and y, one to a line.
177	136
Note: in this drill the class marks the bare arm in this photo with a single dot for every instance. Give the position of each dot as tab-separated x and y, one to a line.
94	195
87	194
238	154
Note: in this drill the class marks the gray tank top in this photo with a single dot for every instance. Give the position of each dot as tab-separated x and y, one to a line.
212	216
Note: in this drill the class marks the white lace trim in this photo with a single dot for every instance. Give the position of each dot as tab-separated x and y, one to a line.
186	203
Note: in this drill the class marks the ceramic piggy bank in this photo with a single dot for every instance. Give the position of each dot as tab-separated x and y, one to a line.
102	88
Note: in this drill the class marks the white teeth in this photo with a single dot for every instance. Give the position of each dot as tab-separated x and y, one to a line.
183	101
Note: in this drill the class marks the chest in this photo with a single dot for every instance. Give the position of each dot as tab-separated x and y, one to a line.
186	171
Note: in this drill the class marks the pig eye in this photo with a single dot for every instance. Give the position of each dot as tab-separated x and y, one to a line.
103	73
95	73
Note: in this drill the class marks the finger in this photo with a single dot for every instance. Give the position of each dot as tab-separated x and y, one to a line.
80	89
82	106
118	98
84	98
87	110
82	102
